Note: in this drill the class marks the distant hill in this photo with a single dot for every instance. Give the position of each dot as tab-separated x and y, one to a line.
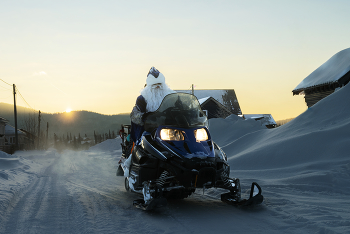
75	122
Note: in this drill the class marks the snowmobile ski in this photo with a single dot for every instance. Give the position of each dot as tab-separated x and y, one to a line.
151	205
254	199
120	171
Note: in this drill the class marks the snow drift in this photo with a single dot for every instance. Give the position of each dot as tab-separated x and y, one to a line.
319	134
224	131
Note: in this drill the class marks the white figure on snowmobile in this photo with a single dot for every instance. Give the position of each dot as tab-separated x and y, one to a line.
149	100
151	97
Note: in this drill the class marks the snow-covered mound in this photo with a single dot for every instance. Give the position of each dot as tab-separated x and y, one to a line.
107	145
319	134
5	155
9	163
224	131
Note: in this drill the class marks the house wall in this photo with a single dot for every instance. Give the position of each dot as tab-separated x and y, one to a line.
11	140
230	101
11	137
2	129
214	110
2	135
313	98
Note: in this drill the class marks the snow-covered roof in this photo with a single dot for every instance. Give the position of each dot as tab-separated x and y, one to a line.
3	120
9	130
203	100
266	119
329	72
226	97
204	93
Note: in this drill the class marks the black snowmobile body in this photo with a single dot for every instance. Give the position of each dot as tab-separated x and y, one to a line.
176	156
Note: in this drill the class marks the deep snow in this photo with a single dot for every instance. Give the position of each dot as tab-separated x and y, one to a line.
303	168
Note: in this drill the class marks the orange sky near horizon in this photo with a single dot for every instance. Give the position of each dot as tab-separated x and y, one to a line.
65	55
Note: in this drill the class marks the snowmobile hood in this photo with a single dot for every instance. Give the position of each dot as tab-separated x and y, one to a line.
188	144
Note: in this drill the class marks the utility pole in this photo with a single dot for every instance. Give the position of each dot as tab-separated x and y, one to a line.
39	118
47	134
192	90
15	112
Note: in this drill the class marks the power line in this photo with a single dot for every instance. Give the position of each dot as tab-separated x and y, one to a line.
17	91
5	88
5	82
23	98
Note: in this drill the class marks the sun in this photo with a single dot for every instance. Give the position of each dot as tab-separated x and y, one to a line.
68	110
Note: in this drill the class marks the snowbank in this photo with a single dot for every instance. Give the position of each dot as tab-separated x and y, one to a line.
319	134
9	163
224	131
107	145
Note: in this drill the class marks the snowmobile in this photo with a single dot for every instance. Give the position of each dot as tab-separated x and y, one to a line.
176	156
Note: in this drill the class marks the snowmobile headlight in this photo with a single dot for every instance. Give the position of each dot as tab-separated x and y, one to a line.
167	134
201	134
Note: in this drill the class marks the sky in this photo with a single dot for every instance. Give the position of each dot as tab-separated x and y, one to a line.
95	55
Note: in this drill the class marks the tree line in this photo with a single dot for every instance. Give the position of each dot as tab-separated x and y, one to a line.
73	142
35	140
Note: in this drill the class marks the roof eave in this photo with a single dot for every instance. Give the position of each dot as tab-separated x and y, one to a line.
297	91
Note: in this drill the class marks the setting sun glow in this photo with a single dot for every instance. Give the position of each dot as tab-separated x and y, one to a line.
68	110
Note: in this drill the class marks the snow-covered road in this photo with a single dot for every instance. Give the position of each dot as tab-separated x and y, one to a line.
303	168
78	192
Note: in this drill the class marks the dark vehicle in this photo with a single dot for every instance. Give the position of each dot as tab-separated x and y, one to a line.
176	156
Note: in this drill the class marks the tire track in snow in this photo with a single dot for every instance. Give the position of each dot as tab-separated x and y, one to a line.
45	207
24	210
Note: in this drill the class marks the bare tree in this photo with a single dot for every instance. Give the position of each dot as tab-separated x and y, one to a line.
30	125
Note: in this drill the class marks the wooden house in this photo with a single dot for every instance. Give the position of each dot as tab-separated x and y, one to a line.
3	123
330	76
11	136
213	108
219	103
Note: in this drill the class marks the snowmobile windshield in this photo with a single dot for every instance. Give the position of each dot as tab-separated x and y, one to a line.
177	109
